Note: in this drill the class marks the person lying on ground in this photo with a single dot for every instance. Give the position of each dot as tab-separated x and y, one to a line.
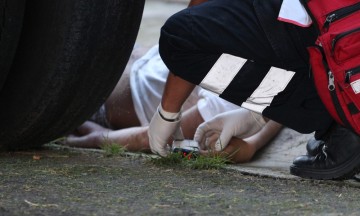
125	116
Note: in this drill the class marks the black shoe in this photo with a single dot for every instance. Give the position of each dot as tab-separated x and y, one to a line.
314	146
338	159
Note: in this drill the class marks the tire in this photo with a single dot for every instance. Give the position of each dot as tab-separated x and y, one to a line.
70	55
11	17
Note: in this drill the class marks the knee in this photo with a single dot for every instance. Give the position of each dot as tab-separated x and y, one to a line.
175	25
174	36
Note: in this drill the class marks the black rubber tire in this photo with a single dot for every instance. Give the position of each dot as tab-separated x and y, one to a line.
11	18
70	56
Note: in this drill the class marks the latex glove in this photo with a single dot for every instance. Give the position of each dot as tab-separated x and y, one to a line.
163	125
240	123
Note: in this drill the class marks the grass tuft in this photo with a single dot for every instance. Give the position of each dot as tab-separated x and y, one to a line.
112	149
198	162
204	162
171	160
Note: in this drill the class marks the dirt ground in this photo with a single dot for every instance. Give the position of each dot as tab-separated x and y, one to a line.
62	182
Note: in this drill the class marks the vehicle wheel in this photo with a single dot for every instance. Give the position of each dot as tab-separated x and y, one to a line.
11	17
71	54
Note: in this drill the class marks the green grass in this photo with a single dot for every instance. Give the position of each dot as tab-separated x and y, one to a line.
112	149
199	162
174	159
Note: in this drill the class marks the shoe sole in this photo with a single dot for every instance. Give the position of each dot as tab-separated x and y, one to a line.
344	171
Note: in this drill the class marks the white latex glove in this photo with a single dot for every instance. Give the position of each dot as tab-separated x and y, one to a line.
240	123
163	125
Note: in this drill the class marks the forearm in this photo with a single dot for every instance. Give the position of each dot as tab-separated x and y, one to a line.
196	2
238	151
176	91
269	131
241	151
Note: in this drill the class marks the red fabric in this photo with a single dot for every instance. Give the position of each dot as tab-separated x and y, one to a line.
321	81
321	8
339	49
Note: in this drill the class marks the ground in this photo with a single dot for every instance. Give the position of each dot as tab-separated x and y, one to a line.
63	182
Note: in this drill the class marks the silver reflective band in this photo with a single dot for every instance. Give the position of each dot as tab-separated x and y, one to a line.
274	82
225	69
222	73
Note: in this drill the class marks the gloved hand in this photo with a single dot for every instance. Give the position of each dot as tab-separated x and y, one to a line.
163	125
240	123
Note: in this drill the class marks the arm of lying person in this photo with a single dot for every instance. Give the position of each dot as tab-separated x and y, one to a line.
242	150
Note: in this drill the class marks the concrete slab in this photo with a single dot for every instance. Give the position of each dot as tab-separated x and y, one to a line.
275	158
155	14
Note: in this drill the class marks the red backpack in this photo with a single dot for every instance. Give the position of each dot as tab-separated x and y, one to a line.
335	59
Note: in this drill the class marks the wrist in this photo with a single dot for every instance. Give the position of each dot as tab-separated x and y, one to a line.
169	116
